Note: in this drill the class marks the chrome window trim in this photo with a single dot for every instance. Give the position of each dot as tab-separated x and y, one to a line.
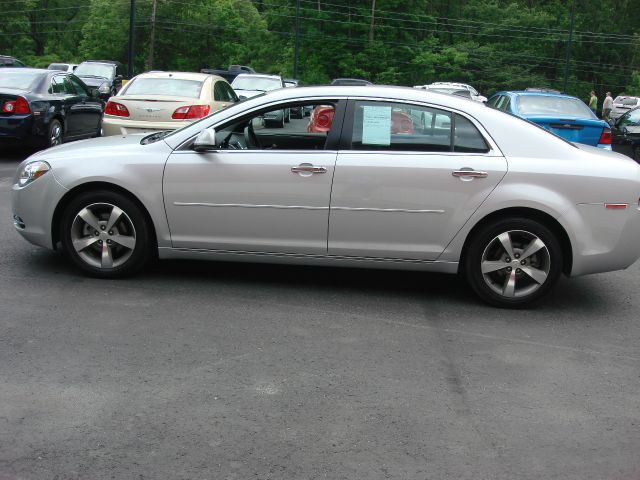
493	146
263	106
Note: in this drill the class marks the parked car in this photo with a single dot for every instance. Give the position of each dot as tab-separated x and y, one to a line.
63	67
505	203
298	111
44	108
10	62
625	133
249	85
564	115
350	82
158	101
105	75
230	74
621	105
454	89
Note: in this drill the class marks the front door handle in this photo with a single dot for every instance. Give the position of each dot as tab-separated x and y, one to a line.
307	168
469	174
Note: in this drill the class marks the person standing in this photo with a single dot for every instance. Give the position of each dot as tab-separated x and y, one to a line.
593	102
607	106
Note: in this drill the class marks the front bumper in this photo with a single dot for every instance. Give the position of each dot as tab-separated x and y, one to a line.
120	126
33	207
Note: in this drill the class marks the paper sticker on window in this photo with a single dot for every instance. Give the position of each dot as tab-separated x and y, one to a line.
376	125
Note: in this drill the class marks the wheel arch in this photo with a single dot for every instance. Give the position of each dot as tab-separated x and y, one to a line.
533	214
94	186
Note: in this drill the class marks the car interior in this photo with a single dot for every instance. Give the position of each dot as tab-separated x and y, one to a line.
250	133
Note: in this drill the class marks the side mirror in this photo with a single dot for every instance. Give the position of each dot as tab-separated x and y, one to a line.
482	99
205	141
242	97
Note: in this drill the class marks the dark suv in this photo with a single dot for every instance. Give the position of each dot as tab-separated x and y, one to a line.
6	61
104	75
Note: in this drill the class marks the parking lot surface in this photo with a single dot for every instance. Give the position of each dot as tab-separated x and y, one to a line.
238	371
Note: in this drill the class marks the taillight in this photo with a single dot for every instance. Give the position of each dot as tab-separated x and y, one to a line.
116	109
18	106
605	138
193	111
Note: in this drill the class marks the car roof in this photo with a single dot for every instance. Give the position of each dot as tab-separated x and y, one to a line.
109	62
180	75
522	93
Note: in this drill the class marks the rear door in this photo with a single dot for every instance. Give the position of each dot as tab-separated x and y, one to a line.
71	104
404	185
88	109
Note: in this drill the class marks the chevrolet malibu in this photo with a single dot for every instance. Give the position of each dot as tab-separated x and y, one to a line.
467	189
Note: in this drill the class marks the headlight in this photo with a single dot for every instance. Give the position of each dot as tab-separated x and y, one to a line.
104	88
32	171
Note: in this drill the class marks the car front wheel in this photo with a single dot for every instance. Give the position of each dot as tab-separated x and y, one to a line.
105	234
513	262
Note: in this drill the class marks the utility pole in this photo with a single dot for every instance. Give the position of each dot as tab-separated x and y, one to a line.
297	41
152	41
132	18
566	62
373	21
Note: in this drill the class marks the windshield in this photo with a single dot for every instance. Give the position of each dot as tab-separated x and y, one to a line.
553	105
96	70
256	83
165	86
20	80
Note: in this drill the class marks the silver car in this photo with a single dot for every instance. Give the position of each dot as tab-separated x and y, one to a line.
385	177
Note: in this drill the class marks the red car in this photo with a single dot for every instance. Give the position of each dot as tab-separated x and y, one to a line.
322	116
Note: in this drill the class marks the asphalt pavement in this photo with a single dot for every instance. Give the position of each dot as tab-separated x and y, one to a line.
238	371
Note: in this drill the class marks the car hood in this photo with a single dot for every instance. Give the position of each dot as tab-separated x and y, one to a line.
94	81
92	148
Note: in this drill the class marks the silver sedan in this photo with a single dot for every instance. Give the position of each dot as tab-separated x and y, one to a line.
381	177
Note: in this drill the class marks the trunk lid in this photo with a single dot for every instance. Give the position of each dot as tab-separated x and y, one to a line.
574	129
154	109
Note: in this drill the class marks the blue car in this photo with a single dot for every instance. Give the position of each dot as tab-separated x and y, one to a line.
564	115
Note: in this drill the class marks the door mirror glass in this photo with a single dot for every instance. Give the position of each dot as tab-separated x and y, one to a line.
206	140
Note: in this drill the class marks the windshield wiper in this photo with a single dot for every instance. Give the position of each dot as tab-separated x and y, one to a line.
154	137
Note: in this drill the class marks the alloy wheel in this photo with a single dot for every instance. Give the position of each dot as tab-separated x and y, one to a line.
516	263
103	235
56	135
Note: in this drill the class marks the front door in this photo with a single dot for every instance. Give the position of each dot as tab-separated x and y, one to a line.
251	194
404	185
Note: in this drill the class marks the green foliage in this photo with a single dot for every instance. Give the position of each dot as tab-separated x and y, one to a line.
492	44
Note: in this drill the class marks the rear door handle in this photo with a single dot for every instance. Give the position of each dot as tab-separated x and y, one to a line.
469	174
308	169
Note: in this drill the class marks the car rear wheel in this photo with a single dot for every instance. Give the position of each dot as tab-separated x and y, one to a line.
55	134
513	262
105	234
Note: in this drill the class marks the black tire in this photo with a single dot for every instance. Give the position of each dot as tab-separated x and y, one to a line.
55	134
287	116
133	224
495	286
636	153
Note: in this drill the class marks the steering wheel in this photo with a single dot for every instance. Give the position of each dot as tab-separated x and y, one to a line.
250	137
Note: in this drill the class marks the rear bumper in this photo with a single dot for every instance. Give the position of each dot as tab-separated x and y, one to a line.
120	126
21	130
